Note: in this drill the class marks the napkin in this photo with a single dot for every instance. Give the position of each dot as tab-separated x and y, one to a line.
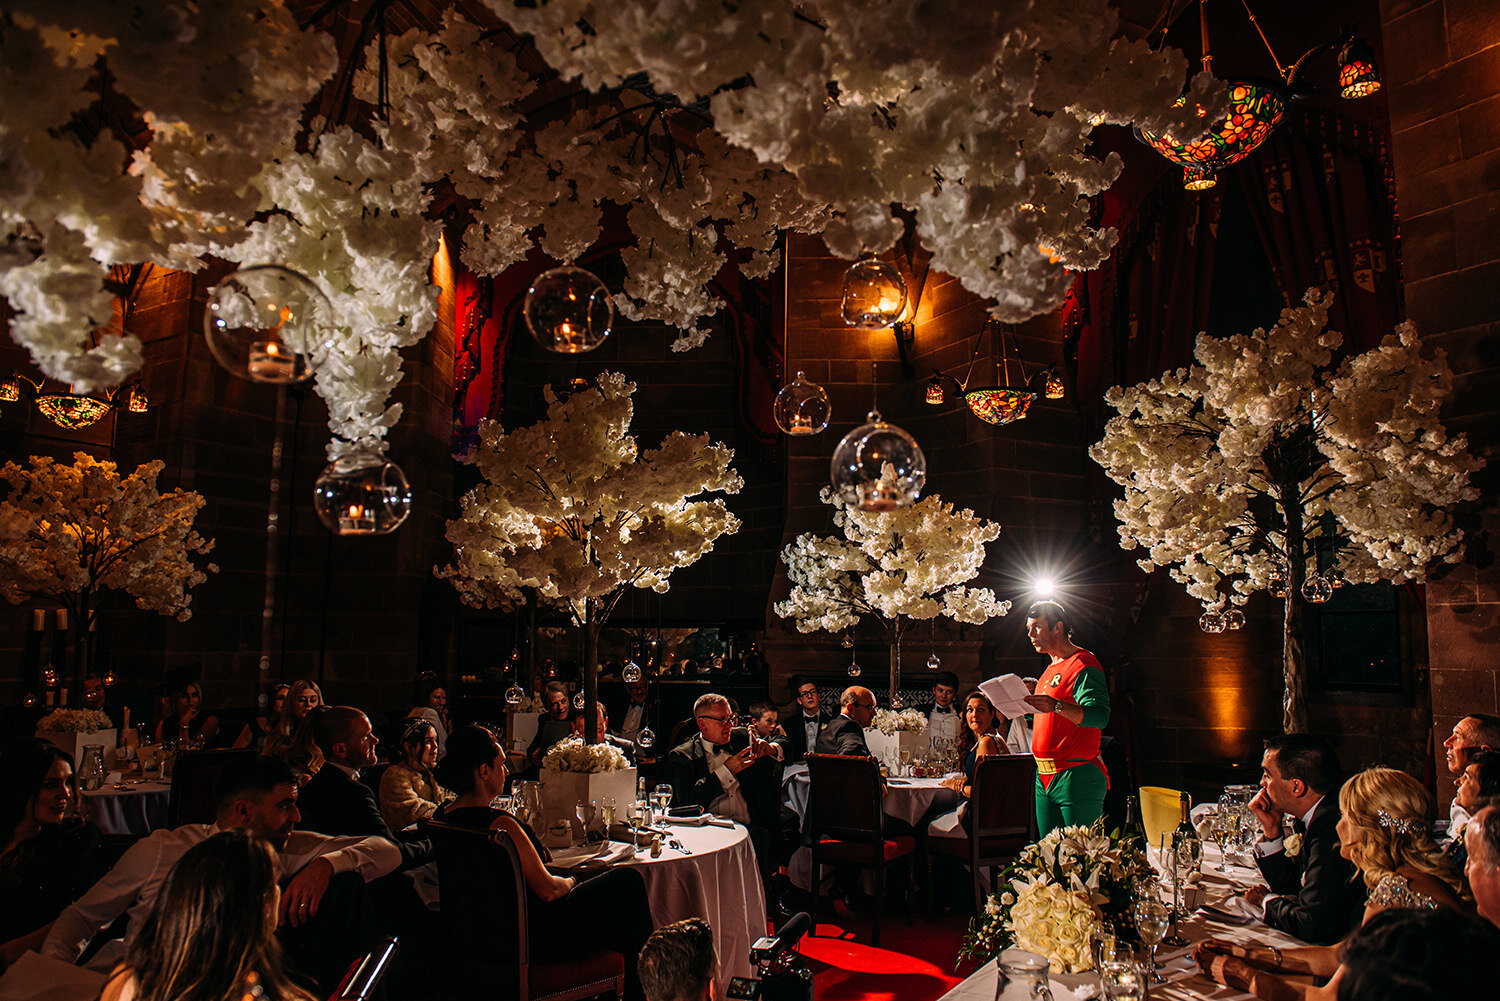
1233	910
702	820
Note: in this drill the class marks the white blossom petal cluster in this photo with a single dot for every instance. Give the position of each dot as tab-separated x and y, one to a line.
573	755
910	563
717	129
572	509
889	721
75	721
87	529
1265	431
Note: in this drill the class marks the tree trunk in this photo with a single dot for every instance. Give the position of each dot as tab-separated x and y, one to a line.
896	701
591	625
1293	663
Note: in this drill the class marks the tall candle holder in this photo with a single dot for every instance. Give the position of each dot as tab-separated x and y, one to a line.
1173	859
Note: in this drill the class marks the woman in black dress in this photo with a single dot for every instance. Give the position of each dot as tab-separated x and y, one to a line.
609	908
46	862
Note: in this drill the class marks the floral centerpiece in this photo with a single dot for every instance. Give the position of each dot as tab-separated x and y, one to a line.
574	771
74	721
889	721
1050	898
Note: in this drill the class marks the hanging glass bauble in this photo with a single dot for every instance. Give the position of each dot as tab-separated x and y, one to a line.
1276	584
897	702
568	310
630	673
362	493
933	661
1211	622
874	295
1234	619
578	701
854	669
878	467
801	407
514	695
515	654
645	739
268	324
1317	589
109	678
847	642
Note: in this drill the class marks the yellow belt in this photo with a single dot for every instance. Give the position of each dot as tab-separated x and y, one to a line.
1048	766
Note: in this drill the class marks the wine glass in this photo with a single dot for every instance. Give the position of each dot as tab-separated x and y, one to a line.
1221	829
607	811
1121	978
1151	925
905	757
585	811
1102	943
661	798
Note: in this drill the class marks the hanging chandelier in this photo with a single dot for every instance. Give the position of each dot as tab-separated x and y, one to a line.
1000	404
1258	106
73	411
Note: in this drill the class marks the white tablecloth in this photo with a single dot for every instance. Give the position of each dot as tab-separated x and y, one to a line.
1186	983
718	882
905	799
135	810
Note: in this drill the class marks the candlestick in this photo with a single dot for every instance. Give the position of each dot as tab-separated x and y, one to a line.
270	362
62	620
355	521
38	620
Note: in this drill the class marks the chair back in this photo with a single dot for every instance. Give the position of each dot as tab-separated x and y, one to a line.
1161	809
1002	802
190	800
482	916
844	797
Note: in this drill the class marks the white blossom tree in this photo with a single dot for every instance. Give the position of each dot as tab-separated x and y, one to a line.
1265	464
897	566
69	533
571	509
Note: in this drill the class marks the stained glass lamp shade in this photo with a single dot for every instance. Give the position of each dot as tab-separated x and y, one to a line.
70	410
1255	108
999	404
1357	74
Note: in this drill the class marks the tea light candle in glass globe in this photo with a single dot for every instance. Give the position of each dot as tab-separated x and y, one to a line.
268	324
874	295
568	310
878	467
362	493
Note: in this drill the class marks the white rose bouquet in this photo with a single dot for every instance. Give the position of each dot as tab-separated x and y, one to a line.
1048	900
889	721
74	721
573	755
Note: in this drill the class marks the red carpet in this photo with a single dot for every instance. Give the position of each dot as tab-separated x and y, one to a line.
912	964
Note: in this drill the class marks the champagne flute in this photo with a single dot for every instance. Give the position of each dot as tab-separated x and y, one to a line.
1151	925
1219	830
607	810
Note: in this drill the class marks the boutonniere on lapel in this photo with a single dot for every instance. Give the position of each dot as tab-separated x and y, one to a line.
1292	844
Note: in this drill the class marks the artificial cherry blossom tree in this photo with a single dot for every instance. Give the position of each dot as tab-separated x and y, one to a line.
897	566
716	128
1266	460
571	509
69	533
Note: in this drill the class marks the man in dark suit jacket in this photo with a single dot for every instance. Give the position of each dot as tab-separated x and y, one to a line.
1313	893
802	726
729	771
551	726
845	734
334	801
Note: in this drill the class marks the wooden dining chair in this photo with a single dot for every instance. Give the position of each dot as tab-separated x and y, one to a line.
486	951
846	824
1002	818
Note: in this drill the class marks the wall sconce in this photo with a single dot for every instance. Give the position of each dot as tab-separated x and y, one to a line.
71	410
1257	107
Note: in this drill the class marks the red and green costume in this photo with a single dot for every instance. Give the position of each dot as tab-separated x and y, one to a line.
1070	780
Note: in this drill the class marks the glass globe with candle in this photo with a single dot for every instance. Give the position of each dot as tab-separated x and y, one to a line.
268	324
878	466
802	407
568	310
874	295
362	493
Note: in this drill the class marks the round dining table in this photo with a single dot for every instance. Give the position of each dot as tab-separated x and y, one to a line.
134	809
905	799
710	874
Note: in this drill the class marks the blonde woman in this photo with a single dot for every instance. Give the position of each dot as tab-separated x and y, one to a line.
281	742
1386	831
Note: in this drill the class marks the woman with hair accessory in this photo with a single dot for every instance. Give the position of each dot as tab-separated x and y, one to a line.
211	934
46	860
608	910
282	742
408	790
1386	832
430	703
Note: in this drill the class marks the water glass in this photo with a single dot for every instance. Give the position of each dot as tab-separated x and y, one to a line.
1121	979
1102	943
1151	925
661	798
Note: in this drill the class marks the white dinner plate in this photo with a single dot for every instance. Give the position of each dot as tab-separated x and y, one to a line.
568	858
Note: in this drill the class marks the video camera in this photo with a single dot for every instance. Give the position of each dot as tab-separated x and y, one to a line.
780	973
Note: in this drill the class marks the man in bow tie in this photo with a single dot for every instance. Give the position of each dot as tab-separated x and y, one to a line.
731	772
942	719
1313	893
806	721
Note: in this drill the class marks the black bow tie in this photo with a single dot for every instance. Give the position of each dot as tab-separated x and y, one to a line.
1298	827
942	709
721	748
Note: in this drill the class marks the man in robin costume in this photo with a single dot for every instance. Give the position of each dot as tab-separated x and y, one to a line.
1072	706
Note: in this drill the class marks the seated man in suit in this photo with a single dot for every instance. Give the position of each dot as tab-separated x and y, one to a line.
845	733
553	725
731	772
803	725
1313	893
334	801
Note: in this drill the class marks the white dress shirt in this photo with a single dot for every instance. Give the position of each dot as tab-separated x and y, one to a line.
635	717
131	886
732	803
942	723
1457	818
811	725
1018	736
